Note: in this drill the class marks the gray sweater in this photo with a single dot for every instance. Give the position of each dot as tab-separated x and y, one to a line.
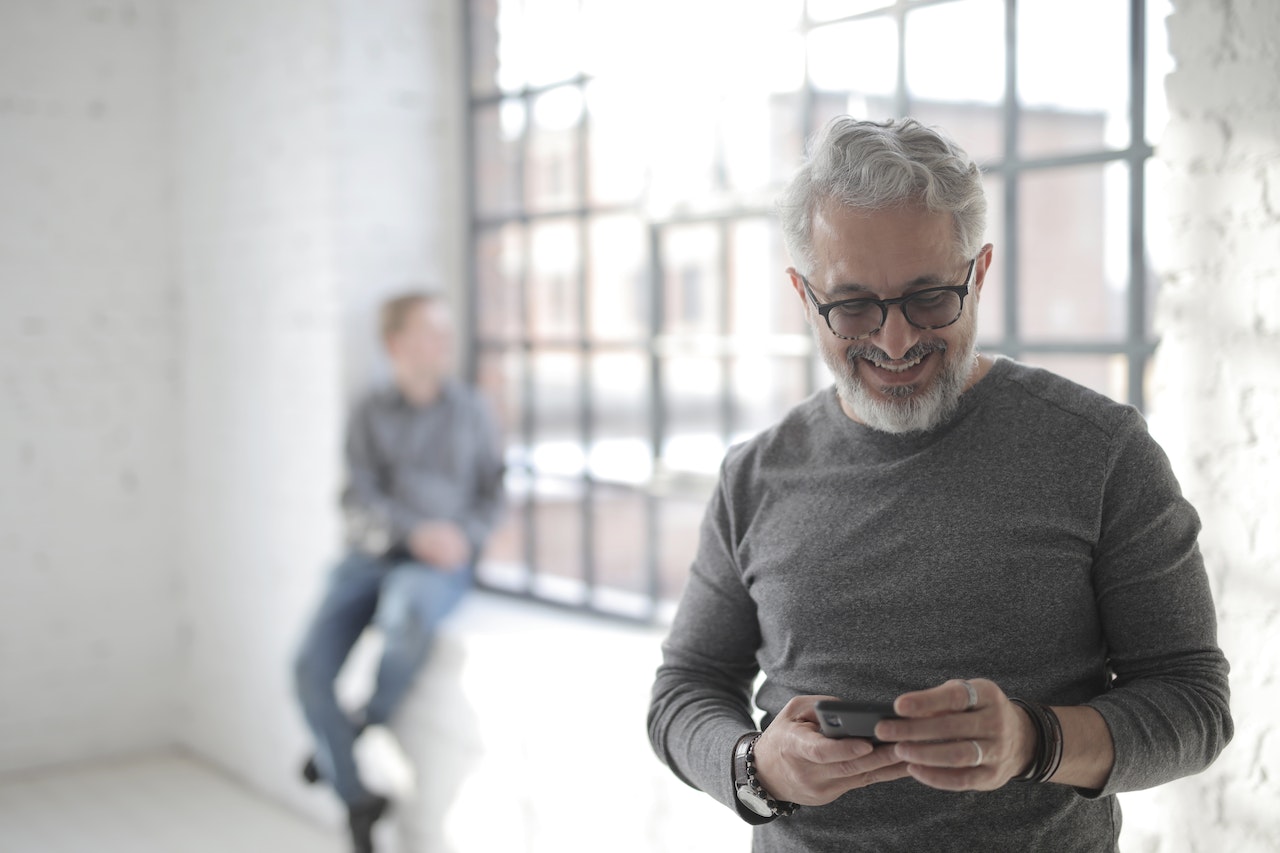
407	464
1038	539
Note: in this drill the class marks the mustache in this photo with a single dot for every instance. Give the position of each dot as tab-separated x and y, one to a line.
873	353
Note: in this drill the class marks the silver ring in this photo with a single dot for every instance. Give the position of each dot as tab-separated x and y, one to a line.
973	695
978	747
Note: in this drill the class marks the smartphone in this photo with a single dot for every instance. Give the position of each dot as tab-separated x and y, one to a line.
852	719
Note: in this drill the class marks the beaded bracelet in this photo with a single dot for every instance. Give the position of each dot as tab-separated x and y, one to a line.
1048	755
781	808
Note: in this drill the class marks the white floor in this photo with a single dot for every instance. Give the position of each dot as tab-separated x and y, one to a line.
165	803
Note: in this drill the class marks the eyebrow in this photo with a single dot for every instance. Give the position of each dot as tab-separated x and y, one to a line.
839	292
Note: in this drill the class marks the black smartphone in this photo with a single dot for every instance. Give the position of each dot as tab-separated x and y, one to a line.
852	719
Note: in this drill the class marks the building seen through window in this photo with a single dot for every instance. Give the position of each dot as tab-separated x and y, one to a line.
630	313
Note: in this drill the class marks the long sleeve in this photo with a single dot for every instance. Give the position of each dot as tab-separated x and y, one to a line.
1168	710
407	465
701	700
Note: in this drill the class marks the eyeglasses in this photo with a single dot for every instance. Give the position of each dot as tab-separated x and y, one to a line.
930	308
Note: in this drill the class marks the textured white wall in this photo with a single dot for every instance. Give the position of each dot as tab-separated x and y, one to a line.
1217	394
313	179
253	94
88	384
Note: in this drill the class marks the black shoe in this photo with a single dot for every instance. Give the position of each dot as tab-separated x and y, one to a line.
361	817
310	772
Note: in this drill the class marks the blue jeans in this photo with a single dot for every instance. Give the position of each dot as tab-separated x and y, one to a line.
406	600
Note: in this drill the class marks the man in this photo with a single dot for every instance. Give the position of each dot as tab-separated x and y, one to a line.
941	531
423	493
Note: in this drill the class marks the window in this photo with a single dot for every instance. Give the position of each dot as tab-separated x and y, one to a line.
630	315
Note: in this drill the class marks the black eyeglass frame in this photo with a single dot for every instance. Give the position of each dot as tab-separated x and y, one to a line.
962	290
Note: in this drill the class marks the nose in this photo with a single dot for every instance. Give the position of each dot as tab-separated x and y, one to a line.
896	337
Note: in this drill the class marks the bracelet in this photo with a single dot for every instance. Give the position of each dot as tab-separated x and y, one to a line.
779	807
1048	753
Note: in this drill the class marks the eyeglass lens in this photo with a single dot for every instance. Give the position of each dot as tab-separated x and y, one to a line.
925	310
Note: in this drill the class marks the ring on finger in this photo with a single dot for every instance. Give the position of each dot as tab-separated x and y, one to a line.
973	695
978	747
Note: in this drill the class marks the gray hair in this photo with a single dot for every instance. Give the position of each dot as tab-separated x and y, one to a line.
875	165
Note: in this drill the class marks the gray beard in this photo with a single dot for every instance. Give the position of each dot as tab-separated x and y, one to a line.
907	409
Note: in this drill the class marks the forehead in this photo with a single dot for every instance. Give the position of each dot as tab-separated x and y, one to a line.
882	249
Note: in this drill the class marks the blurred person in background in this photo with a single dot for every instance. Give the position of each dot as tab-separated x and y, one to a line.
423	493
999	555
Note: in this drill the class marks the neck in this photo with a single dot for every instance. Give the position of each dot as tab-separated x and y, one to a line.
420	390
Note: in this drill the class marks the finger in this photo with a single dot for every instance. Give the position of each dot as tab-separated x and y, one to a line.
880	766
954	696
950	779
947	727
956	754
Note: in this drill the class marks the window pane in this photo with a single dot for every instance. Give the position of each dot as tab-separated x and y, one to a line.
620	429
1073	232
500	376
554	271
619	278
499	262
991	299
829	10
762	301
694	408
941	64
692	279
764	388
620	547
503	563
978	128
558	556
746	134
497	154
554	399
857	56
484	46
538	42
679	520
1106	374
1159	255
683	162
551	167
1073	101
787	135
616	153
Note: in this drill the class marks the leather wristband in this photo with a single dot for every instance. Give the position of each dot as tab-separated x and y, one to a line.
1047	757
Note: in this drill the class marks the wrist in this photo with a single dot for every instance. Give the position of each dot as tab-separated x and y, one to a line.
1046	756
763	806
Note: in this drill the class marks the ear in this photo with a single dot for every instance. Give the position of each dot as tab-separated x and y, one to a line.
798	286
985	256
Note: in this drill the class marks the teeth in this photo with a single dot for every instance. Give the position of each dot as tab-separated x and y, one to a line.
898	368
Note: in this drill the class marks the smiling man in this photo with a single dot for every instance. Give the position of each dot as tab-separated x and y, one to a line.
998	557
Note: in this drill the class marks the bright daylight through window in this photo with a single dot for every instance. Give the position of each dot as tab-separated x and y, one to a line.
630	312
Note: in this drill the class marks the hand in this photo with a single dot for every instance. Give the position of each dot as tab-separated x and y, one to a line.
440	544
795	762
952	744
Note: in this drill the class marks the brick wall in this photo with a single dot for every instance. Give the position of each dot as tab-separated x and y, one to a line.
88	384
310	143
1217	395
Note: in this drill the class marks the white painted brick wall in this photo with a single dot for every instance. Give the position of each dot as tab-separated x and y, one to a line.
1217	395
88	384
316	172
